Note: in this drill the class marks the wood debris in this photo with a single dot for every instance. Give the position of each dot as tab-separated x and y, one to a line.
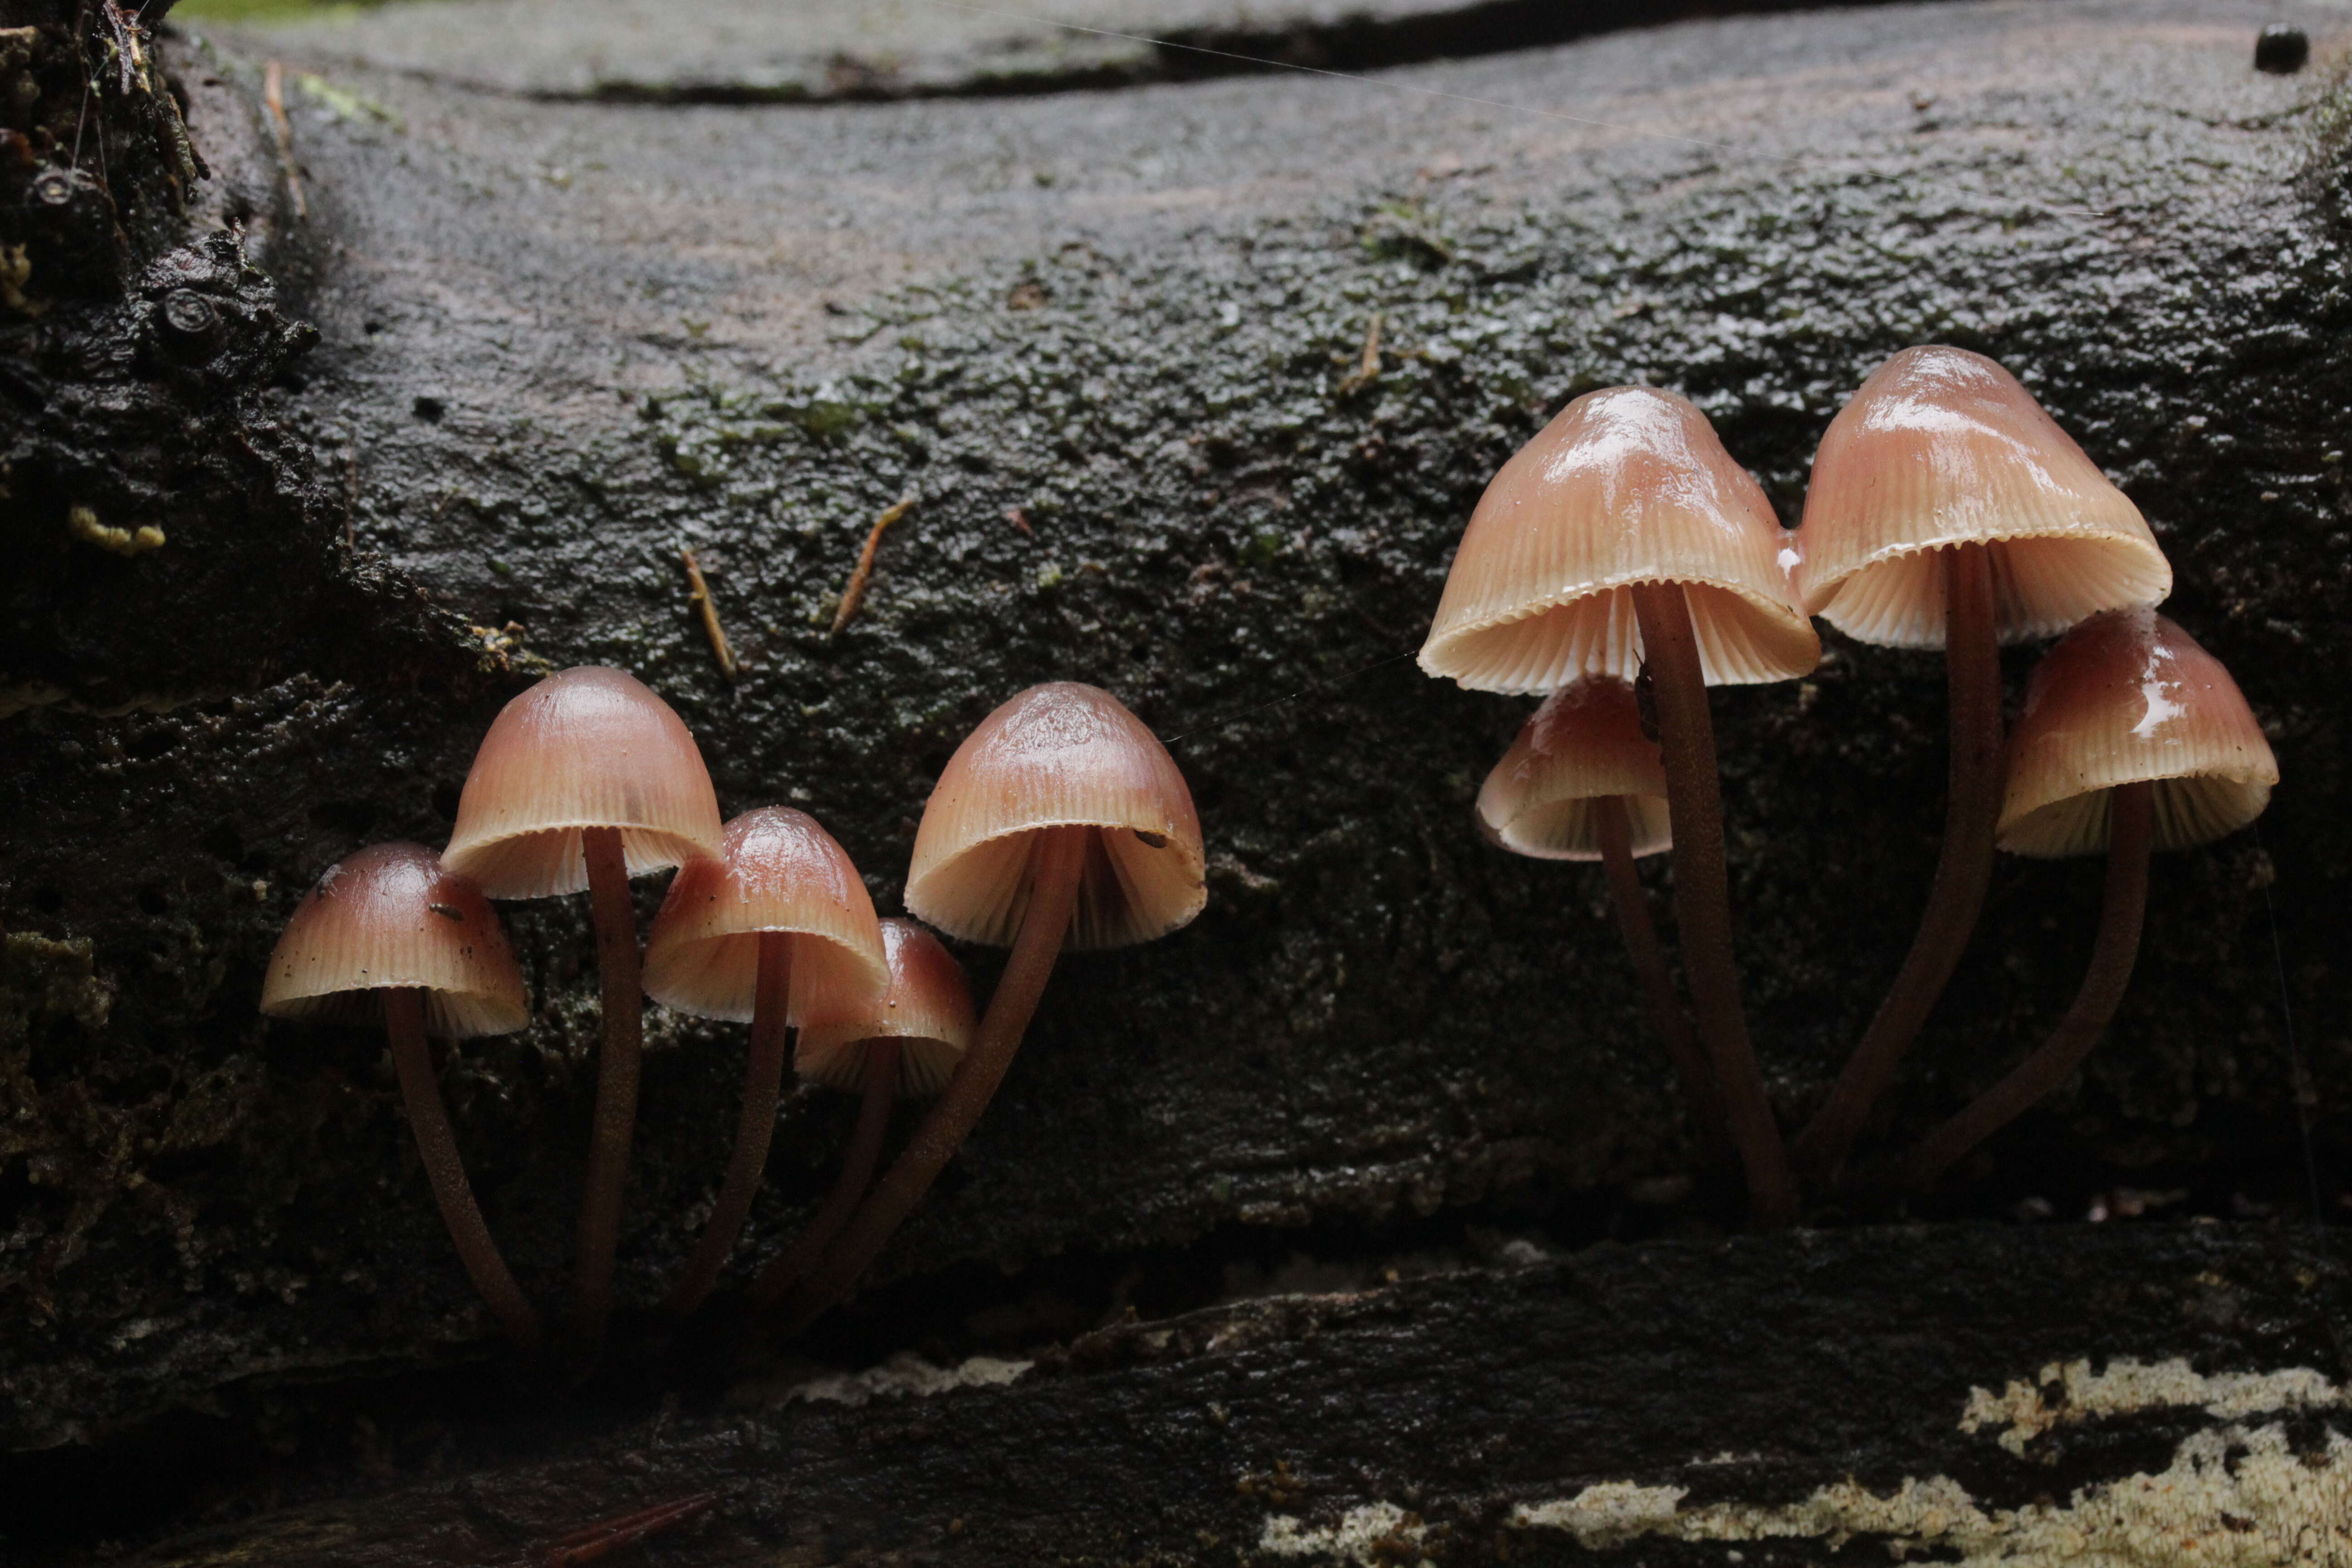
1367	366
854	594
698	592
273	93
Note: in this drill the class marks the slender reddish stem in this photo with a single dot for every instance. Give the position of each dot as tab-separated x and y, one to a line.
1964	869
1682	1049
857	1174
616	1122
404	1020
1703	895
1059	857
2113	953
764	1075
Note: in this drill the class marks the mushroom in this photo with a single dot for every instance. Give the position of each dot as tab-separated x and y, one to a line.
2133	739
388	936
1583	782
1060	819
1624	536
585	781
1947	509
903	1041
780	922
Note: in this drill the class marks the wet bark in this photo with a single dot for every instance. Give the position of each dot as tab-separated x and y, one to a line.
448	421
1435	1419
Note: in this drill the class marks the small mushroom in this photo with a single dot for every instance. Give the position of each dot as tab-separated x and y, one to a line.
1583	782
1947	509
2133	739
388	936
903	1041
779	923
1622	537
1060	820
585	781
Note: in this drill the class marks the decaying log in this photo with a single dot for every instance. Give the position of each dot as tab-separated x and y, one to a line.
452	425
1799	1399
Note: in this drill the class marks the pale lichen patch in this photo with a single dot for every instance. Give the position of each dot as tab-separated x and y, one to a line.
2231	1497
2127	1386
1377	1535
906	1374
1606	1515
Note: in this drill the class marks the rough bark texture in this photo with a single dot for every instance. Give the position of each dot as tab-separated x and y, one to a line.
816	51
1765	1379
1105	339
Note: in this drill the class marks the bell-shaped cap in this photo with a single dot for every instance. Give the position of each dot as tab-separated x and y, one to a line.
1943	448
589	747
392	917
777	871
926	1007
2129	698
1584	744
1627	486
1059	755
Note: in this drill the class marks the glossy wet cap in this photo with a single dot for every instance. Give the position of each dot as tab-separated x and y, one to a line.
1941	447
1627	486
777	871
926	1007
2129	698
1059	755
392	917
589	747
1583	743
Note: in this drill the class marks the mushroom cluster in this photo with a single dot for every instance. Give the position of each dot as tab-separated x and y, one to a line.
1062	821
1623	545
1946	508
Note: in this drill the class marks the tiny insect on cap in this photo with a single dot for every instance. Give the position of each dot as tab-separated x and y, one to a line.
776	871
927	1008
1627	486
1943	448
1584	744
1059	755
589	747
2129	698
391	917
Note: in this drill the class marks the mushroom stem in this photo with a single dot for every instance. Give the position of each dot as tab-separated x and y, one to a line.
1059	858
1703	894
2112	952
404	1020
857	1174
615	1122
764	1075
1964	869
1682	1049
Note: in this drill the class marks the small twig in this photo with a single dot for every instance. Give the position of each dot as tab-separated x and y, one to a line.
82	62
855	594
1367	367
699	592
128	64
273	93
608	1536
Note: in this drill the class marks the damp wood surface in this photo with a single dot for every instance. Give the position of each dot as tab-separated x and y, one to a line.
557	342
1799	1394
